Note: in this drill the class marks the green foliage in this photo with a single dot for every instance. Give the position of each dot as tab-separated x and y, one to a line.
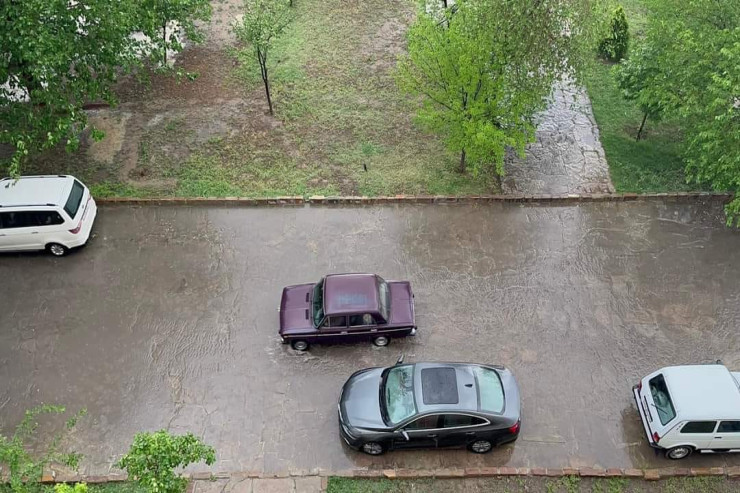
262	23
485	69
614	46
165	21
65	488
58	55
153	457
25	468
639	78
653	164
690	69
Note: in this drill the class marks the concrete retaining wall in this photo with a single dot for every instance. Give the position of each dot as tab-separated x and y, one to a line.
567	199
445	473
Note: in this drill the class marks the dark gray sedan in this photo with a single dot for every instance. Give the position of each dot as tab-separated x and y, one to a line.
430	405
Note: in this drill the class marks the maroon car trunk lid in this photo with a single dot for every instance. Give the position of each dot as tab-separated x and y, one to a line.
402	303
295	308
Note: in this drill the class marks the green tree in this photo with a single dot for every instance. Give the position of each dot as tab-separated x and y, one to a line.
693	51
639	78
56	55
153	457
263	22
166	21
614	46
24	468
485	69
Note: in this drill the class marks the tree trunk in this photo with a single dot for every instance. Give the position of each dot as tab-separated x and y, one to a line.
642	125
164	40
462	161
262	56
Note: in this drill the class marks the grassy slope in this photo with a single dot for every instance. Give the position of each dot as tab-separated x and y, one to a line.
652	165
334	89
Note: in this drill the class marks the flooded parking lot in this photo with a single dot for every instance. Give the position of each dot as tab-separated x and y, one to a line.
167	319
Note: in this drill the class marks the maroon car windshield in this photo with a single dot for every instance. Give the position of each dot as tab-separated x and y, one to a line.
384	298
317	303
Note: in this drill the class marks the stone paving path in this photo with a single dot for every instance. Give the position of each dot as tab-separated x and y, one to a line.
311	484
567	156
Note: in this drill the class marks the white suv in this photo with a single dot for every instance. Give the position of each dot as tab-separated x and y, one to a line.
690	408
53	213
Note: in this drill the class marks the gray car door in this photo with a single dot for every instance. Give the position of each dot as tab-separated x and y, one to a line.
421	432
459	429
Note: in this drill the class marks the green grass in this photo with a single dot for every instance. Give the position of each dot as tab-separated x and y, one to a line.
350	130
532	484
116	487
653	164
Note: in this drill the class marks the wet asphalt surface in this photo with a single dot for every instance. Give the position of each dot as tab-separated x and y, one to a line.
167	319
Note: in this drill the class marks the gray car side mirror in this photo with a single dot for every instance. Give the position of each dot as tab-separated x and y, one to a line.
405	435
399	360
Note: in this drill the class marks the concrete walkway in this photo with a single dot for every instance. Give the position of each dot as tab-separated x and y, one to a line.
310	484
567	156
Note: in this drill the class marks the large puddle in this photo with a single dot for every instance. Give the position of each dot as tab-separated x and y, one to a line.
168	320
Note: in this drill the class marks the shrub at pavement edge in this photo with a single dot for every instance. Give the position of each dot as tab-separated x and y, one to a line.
24	469
153	457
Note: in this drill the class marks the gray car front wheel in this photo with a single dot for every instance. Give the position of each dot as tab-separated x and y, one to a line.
373	448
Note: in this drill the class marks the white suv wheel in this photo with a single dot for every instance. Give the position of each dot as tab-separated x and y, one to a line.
679	452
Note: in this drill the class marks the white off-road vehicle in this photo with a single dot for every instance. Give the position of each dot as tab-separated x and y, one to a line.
690	408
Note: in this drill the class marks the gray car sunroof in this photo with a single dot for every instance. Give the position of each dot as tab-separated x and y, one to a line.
439	386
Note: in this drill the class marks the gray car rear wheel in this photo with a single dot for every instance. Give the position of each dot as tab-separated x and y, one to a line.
480	446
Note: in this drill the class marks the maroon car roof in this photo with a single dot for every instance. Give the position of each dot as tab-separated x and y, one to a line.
350	293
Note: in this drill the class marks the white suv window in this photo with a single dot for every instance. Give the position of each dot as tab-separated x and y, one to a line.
699	427
729	427
75	199
662	399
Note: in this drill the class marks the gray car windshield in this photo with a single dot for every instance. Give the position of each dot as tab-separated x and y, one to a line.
399	393
318	303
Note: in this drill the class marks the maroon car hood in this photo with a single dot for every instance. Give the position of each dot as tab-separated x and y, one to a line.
295	310
402	303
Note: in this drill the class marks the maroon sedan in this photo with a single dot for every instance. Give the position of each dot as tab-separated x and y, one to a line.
346	307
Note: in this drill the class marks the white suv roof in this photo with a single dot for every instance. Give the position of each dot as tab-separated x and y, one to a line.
35	190
702	392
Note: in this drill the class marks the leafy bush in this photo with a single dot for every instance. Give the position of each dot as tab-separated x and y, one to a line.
65	488
154	456
24	469
614	45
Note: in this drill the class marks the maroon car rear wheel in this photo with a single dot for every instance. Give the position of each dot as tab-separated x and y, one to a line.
299	345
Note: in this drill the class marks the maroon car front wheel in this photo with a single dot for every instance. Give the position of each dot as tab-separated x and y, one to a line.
382	341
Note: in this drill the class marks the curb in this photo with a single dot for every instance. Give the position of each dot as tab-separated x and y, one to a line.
565	199
731	472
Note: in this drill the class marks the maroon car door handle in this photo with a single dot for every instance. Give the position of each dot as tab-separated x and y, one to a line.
432	436
470	433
